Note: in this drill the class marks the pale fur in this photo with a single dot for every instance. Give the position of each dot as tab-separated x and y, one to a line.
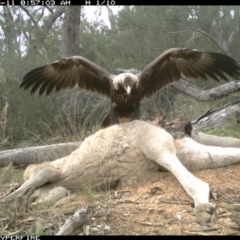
131	149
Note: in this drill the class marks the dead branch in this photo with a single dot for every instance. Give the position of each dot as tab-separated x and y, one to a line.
206	229
220	117
23	157
149	224
196	233
181	202
209	94
73	222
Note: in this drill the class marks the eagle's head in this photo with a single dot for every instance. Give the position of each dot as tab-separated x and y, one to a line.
126	81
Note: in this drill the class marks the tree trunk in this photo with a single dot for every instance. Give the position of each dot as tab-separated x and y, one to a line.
70	34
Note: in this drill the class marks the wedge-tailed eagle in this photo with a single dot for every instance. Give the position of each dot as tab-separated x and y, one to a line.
126	90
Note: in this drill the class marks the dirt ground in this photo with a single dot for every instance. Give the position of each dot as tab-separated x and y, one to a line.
158	205
155	205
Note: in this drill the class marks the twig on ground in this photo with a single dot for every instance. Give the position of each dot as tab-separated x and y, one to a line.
182	202
73	222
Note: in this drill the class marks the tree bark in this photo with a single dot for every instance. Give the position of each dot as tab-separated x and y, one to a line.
209	94
73	222
23	157
227	115
70	34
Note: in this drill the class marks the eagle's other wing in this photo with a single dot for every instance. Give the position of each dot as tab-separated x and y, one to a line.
67	73
169	66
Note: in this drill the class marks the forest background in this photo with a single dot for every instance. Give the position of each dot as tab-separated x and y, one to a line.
34	36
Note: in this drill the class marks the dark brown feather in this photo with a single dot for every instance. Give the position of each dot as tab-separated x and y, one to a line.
67	73
169	66
162	71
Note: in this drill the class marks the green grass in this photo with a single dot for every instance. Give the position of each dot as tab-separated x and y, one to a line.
223	132
40	229
89	194
10	175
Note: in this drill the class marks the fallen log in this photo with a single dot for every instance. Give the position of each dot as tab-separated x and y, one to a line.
224	116
209	94
23	157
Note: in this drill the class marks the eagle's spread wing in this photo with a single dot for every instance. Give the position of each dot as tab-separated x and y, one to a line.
67	73
169	66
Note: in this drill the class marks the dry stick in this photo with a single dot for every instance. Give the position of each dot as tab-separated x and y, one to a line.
205	229
197	233
183	202
73	222
225	198
231	207
149	224
11	188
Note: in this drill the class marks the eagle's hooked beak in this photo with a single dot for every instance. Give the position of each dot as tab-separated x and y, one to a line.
128	90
